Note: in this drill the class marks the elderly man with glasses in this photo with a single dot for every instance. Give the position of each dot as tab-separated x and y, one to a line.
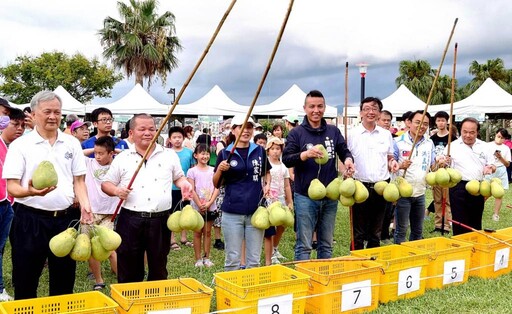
102	120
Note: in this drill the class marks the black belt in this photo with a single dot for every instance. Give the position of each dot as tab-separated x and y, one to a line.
370	185
145	214
48	213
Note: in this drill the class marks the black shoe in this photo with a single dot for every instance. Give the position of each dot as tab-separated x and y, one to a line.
314	245
219	245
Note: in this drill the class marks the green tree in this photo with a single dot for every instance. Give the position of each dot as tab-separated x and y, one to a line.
494	69
84	79
443	91
143	43
417	76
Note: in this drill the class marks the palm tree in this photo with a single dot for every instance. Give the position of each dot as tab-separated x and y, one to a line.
144	44
494	69
443	90
417	76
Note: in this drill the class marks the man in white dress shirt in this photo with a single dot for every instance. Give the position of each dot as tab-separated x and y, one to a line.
471	157
142	222
372	148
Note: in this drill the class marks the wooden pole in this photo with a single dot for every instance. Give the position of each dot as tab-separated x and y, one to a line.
262	81
452	98
416	138
176	101
480	232
345	120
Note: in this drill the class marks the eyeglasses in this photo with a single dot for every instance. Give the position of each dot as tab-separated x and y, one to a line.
105	120
417	123
368	109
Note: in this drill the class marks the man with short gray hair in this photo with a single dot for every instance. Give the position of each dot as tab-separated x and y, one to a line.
70	118
40	214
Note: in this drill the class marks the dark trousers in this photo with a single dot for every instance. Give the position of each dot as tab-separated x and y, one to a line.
139	235
367	219
388	218
31	231
466	208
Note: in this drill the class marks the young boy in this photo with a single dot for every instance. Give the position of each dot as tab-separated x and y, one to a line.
260	139
186	155
102	205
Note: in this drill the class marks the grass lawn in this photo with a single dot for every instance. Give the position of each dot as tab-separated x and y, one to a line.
475	296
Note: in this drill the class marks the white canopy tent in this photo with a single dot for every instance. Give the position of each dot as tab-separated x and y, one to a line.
399	102
290	103
69	103
213	103
488	98
137	100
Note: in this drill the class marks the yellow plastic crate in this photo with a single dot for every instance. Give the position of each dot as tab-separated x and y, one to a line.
86	302
403	271
141	297
490	258
348	286
449	260
250	289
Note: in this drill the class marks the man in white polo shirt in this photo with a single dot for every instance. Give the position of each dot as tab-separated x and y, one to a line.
41	214
472	158
142	222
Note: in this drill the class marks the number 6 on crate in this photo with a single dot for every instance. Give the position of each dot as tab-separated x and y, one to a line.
409	280
282	304
356	295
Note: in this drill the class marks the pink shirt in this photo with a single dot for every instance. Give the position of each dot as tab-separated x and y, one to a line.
203	183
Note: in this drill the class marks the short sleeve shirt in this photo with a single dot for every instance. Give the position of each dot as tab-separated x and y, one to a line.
151	189
66	155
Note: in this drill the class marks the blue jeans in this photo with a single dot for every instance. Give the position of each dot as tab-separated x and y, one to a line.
409	209
237	228
313	215
6	214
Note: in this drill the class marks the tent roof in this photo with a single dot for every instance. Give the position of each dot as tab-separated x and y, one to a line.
69	103
488	98
213	103
401	101
290	103
137	100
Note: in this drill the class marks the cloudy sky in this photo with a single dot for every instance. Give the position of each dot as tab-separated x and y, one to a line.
320	37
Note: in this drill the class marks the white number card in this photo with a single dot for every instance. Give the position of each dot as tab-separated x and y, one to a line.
282	304
453	271
501	258
356	295
409	280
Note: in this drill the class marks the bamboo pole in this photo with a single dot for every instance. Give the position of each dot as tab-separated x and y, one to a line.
481	232
416	138
262	81
176	101
444	196
345	121
334	259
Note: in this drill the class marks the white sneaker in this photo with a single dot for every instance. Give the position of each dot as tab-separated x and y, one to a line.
278	254
4	296
274	260
495	217
199	263
207	262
